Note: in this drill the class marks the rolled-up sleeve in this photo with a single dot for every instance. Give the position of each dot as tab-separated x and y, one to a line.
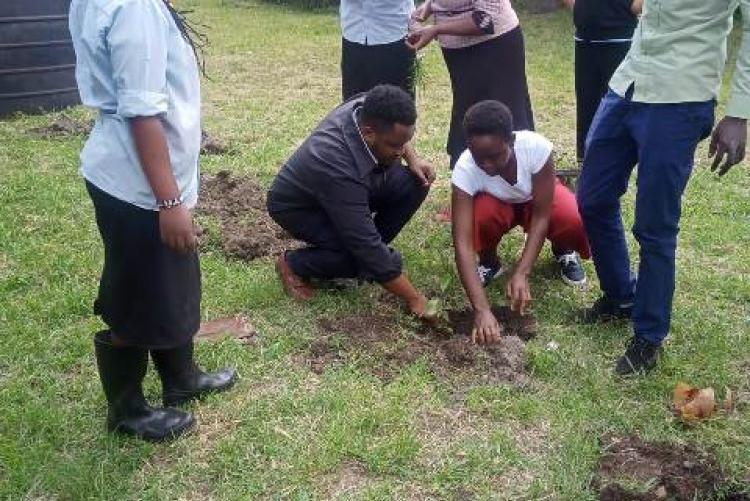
137	43
739	100
347	204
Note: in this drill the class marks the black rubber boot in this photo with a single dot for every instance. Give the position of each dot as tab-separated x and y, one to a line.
122	370
181	378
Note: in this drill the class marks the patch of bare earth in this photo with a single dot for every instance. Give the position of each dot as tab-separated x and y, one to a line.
632	469
212	145
351	478
444	433
524	327
449	351
239	206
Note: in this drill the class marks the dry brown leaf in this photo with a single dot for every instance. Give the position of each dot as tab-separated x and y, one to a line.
692	404
683	393
700	407
237	327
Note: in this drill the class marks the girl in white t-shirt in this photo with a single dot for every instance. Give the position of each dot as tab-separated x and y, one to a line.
505	179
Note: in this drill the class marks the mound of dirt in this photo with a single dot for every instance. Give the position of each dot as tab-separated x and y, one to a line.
634	470
362	330
211	145
239	206
62	126
449	354
345	335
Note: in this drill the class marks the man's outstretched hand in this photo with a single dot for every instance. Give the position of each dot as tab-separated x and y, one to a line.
728	143
424	171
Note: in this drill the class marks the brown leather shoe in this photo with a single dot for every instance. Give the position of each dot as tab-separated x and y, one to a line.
294	285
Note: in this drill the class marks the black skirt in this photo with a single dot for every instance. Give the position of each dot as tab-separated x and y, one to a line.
495	69
595	65
365	66
149	295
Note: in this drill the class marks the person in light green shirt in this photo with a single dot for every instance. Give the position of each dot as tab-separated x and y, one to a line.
660	106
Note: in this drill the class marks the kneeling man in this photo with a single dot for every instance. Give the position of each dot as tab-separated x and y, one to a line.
347	195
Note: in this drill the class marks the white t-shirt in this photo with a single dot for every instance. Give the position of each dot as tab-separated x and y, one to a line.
532	152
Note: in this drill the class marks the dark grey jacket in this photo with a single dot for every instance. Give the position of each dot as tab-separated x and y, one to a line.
334	171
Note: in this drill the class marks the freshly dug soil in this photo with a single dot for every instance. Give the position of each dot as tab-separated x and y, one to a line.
634	470
211	145
525	327
62	126
448	353
239	206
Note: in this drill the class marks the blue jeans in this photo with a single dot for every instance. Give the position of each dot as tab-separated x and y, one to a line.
661	139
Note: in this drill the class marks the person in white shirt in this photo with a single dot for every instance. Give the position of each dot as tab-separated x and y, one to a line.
506	179
373	47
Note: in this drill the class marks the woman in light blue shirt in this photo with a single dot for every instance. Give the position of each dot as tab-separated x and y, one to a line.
136	65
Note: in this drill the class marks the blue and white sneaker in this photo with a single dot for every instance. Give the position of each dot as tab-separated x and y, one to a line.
571	269
488	273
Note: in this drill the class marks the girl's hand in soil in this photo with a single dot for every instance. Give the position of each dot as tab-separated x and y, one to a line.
519	292
486	328
177	231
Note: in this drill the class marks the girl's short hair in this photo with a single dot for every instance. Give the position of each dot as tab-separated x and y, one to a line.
488	118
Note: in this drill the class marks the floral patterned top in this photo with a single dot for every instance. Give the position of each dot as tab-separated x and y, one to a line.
493	17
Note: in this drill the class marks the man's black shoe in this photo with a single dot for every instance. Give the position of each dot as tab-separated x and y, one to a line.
606	310
639	358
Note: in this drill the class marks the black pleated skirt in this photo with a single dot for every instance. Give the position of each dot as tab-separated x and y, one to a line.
149	294
494	69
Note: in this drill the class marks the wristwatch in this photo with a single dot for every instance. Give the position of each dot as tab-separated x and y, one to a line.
169	204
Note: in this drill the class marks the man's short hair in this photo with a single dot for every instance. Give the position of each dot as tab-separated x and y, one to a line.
387	105
489	118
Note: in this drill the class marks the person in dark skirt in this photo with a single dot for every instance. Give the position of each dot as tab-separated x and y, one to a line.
136	65
483	48
373	46
604	29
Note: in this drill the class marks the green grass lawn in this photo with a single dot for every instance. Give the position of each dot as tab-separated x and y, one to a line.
288	433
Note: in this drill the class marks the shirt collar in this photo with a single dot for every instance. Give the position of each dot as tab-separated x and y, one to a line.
355	117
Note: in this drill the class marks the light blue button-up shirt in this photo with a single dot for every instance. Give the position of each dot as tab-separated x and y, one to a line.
132	61
375	22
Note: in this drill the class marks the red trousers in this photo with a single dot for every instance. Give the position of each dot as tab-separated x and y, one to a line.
494	218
